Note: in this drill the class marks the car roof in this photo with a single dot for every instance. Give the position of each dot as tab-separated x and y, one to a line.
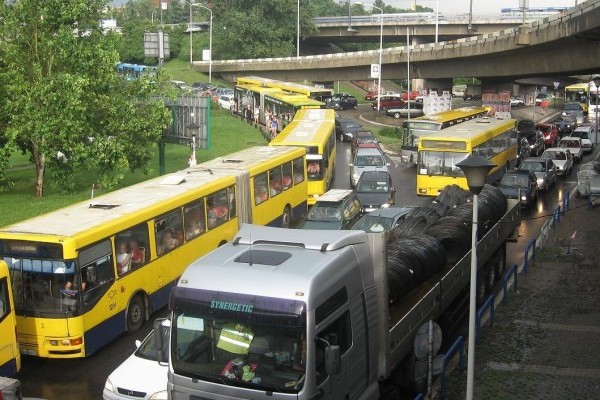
565	138
334	195
583	128
369	151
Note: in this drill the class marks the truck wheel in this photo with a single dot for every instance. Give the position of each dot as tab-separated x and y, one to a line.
286	217
135	314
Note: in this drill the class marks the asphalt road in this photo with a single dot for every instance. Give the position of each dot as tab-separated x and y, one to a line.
82	379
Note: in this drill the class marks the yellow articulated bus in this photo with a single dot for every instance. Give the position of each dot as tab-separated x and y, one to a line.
10	357
313	92
580	93
314	130
84	274
494	139
428	124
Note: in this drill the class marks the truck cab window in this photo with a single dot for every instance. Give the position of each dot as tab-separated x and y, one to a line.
339	332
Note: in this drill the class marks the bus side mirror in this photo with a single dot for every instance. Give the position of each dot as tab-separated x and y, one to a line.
333	360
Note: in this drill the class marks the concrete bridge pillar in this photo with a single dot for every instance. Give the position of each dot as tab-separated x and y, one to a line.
416	84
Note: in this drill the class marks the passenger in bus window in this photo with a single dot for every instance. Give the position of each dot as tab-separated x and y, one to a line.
123	258
194	222
217	214
138	254
260	194
167	241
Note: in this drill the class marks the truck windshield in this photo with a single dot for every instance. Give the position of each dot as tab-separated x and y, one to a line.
253	342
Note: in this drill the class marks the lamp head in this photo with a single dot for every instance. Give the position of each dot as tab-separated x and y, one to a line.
476	169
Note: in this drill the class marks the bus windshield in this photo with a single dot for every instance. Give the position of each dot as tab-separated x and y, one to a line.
246	341
440	163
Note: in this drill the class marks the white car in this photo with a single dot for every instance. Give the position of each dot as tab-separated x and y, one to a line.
587	133
226	102
516	102
141	376
562	159
574	145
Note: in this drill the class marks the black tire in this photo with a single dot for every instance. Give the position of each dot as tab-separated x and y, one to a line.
136	313
397	115
481	292
500	263
355	106
286	217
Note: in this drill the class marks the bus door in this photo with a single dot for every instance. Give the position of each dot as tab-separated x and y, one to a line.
10	358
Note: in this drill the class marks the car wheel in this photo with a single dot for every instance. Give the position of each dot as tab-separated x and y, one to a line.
397	115
355	106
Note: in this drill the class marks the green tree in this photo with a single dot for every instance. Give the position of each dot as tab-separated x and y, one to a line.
65	105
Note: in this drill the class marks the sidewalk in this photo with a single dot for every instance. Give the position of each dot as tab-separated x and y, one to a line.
545	342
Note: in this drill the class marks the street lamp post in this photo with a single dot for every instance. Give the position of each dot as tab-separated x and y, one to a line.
476	169
191	34
210	26
380	55
596	80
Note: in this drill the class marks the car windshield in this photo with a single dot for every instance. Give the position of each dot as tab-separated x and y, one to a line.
366	139
569	143
554	155
544	128
533	166
367	186
580	134
350	125
572	107
370	223
514	180
147	349
368	161
325	213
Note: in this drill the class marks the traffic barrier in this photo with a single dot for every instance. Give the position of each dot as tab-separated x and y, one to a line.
556	217
566	201
511	272
489	303
458	346
530	246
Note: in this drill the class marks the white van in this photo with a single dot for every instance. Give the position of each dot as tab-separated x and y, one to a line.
588	135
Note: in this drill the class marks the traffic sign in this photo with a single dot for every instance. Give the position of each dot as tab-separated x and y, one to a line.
375	70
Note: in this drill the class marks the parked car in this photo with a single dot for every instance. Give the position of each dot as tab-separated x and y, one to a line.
562	159
375	190
416	110
541	97
382	219
574	109
514	102
387	102
342	101
364	139
588	135
413	95
520	185
141	374
335	209
366	159
371	96
574	145
346	128
550	132
544	170
525	125
535	140
226	102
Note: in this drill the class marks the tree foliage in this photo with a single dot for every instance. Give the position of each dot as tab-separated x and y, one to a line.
65	105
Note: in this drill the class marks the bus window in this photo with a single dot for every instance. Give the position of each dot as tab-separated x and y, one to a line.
275	181
286	179
130	248
169	232
298	170
218	208
260	188
194	219
96	273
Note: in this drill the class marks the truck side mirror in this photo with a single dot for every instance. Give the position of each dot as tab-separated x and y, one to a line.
333	359
159	340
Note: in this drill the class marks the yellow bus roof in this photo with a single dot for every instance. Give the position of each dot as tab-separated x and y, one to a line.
147	199
315	114
476	130
578	86
286	86
305	132
450	115
294	99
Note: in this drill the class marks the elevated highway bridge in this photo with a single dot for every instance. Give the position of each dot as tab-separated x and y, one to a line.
565	44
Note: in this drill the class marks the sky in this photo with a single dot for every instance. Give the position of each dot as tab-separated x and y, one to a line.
479	6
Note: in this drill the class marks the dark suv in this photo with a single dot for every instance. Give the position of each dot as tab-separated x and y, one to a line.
342	101
335	209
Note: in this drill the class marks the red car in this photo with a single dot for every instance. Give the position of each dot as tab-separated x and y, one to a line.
550	132
387	102
413	95
371	96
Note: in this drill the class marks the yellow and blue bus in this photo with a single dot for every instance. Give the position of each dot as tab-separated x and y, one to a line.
579	93
314	92
10	357
84	274
314	130
493	139
428	124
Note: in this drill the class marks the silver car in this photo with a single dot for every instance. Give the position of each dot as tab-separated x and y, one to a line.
544	170
367	159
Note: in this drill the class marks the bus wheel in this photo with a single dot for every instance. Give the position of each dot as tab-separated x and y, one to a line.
135	314
286	217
